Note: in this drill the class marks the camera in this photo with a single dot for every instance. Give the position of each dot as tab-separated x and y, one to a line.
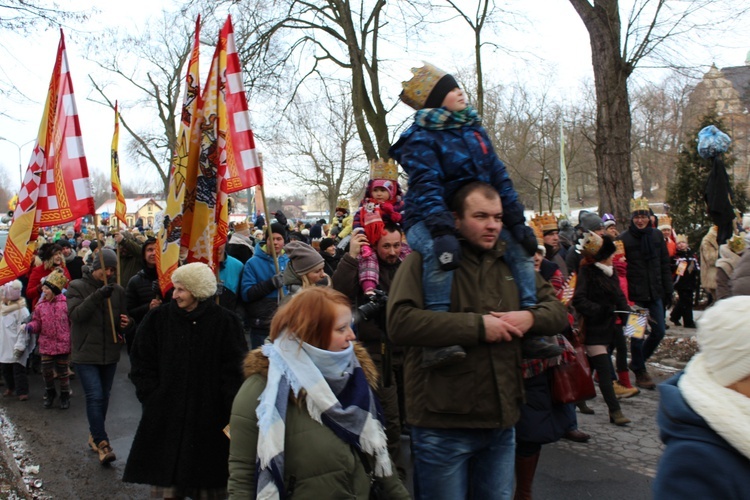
376	304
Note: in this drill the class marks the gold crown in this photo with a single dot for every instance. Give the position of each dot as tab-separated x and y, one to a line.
343	203
680	238
537	228
57	279
383	170
665	220
417	90
619	247
639	205
592	242
737	243
548	222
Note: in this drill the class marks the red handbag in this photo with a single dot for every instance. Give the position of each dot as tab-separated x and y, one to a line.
572	382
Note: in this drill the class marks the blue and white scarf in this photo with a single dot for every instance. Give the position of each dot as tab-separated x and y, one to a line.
338	396
442	119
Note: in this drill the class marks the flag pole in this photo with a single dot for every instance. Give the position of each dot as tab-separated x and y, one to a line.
109	299
269	237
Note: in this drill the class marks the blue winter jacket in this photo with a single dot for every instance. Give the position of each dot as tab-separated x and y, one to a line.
438	163
697	463
257	290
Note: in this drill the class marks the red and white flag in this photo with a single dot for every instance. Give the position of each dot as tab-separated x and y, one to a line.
56	188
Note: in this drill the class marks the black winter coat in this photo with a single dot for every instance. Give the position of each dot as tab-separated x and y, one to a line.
140	292
187	368
596	298
649	274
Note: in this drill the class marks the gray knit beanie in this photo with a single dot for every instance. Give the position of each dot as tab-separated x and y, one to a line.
302	257
110	259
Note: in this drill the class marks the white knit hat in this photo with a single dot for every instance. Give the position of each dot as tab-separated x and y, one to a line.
725	340
12	291
198	278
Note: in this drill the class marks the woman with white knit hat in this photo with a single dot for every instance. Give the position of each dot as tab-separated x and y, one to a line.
705	411
186	367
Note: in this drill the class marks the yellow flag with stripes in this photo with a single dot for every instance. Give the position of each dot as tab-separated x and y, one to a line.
120	208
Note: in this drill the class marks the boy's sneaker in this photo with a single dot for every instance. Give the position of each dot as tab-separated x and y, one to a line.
438	357
538	348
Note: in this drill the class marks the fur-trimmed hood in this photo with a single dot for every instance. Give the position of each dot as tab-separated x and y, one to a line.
256	363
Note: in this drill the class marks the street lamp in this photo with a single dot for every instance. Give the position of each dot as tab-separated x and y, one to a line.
20	165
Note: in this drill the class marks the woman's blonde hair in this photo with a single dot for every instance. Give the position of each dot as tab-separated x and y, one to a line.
310	314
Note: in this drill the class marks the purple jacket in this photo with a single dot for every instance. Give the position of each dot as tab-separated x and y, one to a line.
50	321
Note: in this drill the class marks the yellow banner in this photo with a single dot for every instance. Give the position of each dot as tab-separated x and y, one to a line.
120	208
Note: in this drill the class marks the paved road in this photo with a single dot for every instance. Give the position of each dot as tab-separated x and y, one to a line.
618	462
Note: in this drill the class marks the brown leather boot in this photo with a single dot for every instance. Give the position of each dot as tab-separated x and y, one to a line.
643	380
106	454
525	470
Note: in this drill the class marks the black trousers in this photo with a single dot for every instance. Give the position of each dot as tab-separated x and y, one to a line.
684	308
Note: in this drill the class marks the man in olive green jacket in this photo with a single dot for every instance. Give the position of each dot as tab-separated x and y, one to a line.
464	413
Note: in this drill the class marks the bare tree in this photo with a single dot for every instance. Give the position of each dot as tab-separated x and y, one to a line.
298	41
654	30
319	147
151	62
658	111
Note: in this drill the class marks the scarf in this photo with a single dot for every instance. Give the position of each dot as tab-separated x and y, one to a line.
608	270
725	411
442	119
337	396
644	236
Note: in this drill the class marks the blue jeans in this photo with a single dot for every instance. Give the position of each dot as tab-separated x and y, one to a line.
97	384
437	283
640	349
463	463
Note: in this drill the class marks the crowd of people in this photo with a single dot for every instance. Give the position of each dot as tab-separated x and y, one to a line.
294	368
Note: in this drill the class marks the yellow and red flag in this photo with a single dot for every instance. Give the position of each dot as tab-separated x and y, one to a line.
228	158
183	171
120	207
56	188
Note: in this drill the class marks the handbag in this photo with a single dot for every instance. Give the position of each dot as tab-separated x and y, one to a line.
572	382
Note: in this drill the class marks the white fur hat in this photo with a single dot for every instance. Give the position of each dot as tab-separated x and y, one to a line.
198	278
12	291
725	340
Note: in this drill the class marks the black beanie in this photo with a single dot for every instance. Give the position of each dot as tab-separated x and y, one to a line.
440	90
279	229
325	243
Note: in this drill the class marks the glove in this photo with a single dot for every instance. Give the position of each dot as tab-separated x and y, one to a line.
106	291
524	235
281	218
386	207
447	252
277	281
17	353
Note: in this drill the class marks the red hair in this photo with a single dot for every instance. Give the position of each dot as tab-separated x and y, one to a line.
310	315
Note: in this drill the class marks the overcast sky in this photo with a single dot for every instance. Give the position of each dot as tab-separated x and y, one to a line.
556	42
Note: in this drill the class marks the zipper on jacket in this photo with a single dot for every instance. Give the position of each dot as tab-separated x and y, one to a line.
481	141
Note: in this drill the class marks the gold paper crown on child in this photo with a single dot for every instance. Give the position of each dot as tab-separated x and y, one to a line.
342	203
537	228
384	170
737	243
639	205
619	247
665	220
592	242
57	278
417	90
681	238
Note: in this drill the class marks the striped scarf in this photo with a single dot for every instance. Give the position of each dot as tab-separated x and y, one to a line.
442	119
341	401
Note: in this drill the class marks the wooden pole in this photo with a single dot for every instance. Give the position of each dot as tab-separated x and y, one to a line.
269	238
109	299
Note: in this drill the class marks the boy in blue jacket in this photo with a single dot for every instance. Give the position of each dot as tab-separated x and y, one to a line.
444	149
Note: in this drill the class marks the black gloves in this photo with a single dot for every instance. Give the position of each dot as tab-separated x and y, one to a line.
106	291
447	251
524	235
281	218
